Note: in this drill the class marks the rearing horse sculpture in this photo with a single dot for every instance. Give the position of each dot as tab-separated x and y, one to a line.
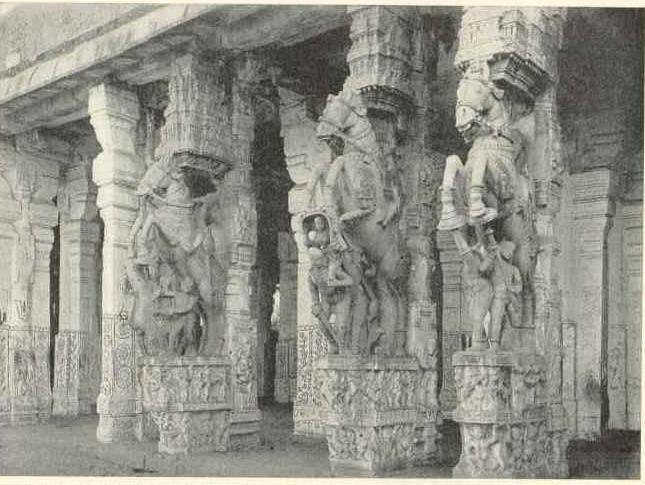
354	191
490	193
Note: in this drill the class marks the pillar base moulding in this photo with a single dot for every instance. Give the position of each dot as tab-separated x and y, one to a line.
25	396
77	373
371	416
189	400
503	417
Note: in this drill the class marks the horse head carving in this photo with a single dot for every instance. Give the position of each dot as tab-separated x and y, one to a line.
486	204
355	201
480	108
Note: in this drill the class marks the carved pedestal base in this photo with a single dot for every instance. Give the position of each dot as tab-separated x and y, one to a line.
370	421
25	396
189	400
183	432
502	415
425	439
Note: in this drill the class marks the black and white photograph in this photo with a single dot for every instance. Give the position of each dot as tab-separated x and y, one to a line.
320	241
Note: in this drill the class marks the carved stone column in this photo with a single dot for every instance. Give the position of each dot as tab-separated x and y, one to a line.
512	54
632	214
238	210
78	342
391	63
30	180
501	408
302	153
593	210
114	112
286	361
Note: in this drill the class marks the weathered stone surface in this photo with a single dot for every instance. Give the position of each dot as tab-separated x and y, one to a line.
28	181
502	413
189	400
285	320
506	107
77	367
302	153
116	171
25	395
370	412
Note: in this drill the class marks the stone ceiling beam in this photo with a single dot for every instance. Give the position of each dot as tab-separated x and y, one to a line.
54	91
283	26
99	49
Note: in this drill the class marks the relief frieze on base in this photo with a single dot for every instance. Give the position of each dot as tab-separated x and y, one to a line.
25	395
504	418
189	400
371	416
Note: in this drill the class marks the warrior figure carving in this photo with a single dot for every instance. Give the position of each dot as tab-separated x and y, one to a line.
171	266
354	197
486	204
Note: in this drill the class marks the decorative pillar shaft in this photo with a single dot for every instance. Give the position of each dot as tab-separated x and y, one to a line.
114	113
78	342
593	210
238	210
302	154
28	184
286	357
509	59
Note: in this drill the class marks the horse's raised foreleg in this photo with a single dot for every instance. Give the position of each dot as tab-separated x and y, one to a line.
451	218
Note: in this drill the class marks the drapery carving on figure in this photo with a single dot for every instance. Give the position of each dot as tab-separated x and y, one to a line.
486	204
172	268
363	262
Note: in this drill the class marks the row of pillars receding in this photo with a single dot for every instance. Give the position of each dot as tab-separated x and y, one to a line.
28	215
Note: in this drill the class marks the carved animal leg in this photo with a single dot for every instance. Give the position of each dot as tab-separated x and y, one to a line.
214	337
515	229
325	328
479	306
450	218
389	312
497	313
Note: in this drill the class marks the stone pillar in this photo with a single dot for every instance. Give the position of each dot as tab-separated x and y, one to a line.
632	214
392	62
454	331
516	51
239	210
114	112
302	153
371	415
286	361
502	411
78	342
29	183
593	210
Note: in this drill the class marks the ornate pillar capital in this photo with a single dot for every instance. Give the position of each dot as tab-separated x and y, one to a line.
114	113
513	47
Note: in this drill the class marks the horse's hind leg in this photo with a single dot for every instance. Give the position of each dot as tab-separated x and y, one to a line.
516	229
450	217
